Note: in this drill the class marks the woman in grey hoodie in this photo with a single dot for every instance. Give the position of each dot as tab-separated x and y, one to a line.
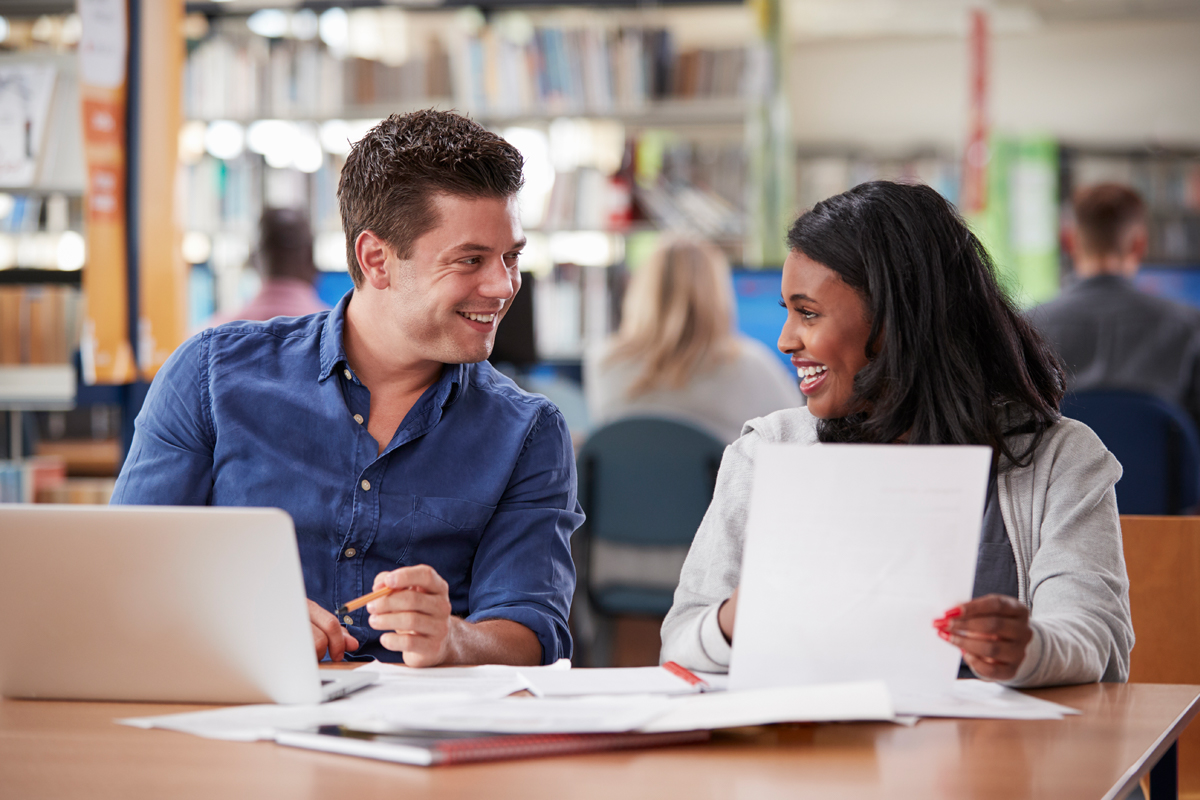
900	333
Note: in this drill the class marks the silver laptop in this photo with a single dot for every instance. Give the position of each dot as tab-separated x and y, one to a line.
157	603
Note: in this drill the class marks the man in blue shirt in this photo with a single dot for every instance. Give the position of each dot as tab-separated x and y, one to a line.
404	459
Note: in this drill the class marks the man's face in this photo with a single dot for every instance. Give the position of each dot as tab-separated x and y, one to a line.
446	301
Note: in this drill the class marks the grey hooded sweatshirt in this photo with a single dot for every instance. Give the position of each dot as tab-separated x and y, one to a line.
1060	513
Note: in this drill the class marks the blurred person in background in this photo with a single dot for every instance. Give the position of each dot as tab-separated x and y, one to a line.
285	258
677	353
1109	334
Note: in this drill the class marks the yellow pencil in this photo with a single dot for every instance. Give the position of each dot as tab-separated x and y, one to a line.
362	601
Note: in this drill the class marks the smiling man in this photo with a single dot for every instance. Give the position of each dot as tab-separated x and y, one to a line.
404	459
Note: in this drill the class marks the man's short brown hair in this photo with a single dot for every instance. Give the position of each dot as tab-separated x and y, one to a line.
1104	215
392	174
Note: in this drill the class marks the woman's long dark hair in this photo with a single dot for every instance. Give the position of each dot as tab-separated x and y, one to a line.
951	361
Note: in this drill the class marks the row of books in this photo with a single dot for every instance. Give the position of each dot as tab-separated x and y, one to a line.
1170	185
558	70
39	324
31	480
373	83
32	213
821	176
247	77
79	491
562	70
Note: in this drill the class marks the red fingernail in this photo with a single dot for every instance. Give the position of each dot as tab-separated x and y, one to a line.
941	624
944	635
952	613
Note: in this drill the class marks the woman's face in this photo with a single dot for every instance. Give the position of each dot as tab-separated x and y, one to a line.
825	334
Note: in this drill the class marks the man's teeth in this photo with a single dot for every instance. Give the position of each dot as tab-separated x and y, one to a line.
808	372
478	317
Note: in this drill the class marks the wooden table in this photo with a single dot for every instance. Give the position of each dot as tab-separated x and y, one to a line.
68	750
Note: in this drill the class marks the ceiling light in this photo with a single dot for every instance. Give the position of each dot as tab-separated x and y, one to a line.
334	29
270	23
224	139
71	253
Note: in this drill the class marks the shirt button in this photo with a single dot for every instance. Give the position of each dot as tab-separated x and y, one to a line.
346	372
366	484
358	418
346	619
350	551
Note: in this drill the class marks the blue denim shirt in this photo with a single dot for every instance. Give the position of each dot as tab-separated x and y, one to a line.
478	482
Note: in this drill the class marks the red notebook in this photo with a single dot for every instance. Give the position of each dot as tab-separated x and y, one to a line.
440	747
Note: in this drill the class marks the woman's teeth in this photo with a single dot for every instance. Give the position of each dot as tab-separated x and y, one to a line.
485	318
808	372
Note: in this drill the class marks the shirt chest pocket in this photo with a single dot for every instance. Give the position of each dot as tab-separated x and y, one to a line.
445	535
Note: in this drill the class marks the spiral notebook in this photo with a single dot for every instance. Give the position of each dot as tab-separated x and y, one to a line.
439	748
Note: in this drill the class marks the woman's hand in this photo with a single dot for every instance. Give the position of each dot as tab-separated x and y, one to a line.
991	631
725	615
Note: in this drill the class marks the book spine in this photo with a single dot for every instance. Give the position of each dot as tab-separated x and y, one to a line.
540	745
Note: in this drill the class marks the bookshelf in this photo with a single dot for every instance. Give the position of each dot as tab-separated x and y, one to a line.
40	387
1168	180
631	123
91	166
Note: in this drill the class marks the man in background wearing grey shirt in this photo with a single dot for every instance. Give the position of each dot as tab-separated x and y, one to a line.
1109	334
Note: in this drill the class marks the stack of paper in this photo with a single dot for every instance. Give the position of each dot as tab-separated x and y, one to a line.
978	700
866	567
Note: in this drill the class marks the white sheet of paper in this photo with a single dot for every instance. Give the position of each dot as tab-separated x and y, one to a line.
604	714
397	685
841	702
248	723
975	699
851	552
610	681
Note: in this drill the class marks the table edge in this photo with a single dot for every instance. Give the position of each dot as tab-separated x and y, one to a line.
1151	757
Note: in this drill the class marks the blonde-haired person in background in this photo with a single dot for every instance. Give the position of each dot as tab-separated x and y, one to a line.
677	353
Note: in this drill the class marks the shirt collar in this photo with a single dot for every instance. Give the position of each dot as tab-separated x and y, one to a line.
454	378
333	352
1102	280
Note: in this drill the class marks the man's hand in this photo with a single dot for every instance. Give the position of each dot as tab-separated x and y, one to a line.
416	615
328	634
726	614
992	631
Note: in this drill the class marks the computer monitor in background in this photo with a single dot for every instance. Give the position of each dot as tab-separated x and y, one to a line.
759	314
516	342
1181	284
332	286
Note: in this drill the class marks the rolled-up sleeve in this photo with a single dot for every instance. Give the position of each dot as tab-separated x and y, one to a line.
523	570
171	459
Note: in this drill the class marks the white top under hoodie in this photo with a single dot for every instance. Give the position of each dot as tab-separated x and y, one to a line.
1060	513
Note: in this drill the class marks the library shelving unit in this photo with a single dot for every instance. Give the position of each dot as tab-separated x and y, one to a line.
630	125
41	245
95	210
1168	180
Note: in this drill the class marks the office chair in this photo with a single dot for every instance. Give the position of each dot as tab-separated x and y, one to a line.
645	484
1156	442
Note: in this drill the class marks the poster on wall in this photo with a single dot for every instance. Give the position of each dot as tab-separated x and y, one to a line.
105	349
25	94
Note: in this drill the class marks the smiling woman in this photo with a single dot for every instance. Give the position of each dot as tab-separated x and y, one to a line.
826	334
900	334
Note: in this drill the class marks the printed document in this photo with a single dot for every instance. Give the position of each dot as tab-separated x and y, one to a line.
851	552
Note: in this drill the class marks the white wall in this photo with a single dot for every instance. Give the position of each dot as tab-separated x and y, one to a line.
1095	83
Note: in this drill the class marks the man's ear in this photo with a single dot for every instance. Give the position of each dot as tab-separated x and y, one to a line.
1139	242
373	254
1069	241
